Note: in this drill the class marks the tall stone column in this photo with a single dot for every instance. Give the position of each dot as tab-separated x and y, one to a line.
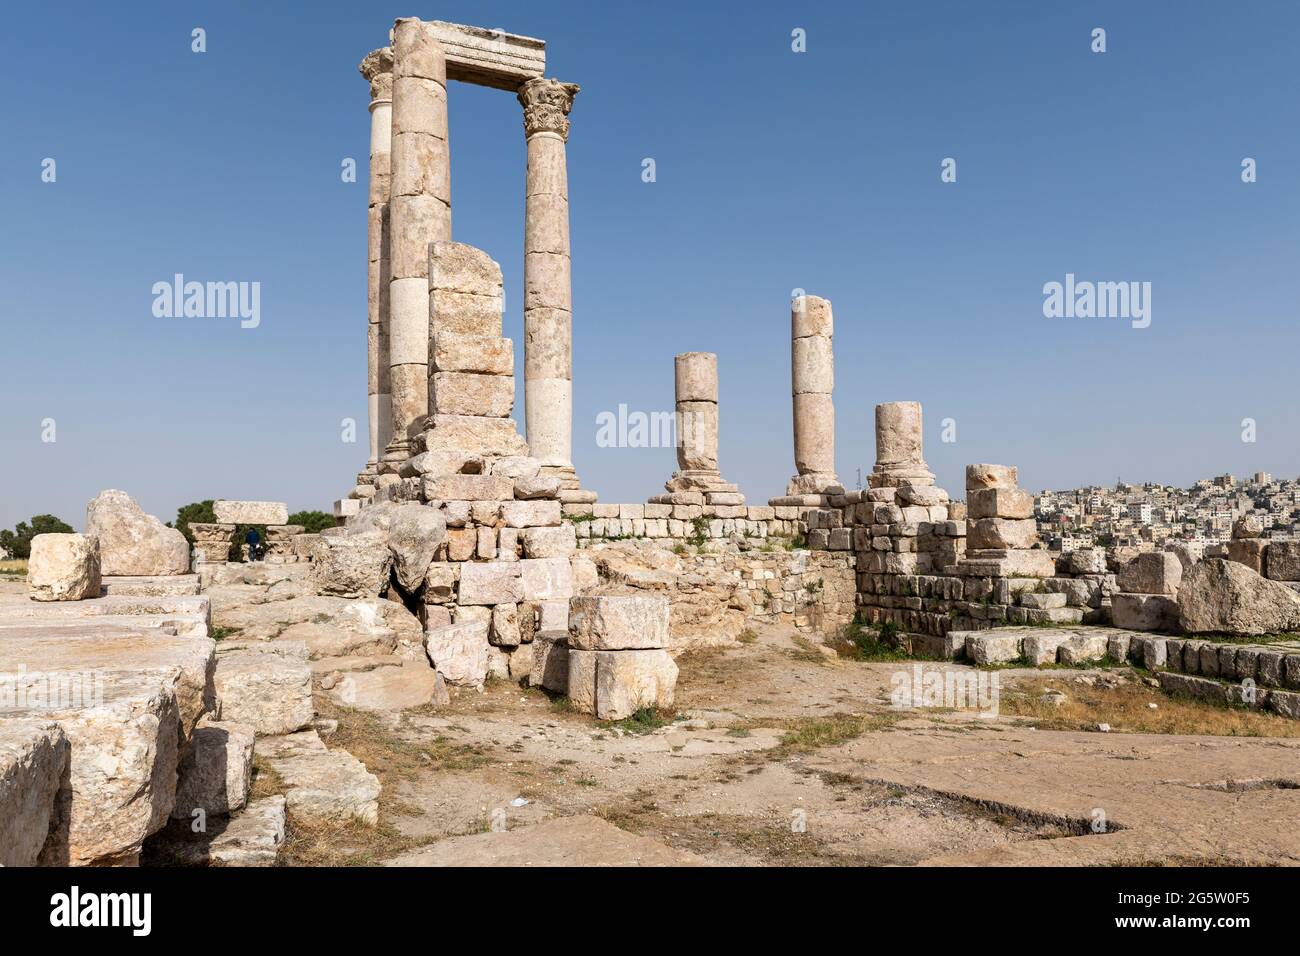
899	458
548	294
377	68
419	212
812	380
697	479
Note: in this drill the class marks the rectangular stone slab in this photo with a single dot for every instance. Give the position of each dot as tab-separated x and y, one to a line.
489	57
251	512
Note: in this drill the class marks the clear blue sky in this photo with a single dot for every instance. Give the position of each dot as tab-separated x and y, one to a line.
776	171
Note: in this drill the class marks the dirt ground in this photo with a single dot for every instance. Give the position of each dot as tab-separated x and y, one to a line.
779	755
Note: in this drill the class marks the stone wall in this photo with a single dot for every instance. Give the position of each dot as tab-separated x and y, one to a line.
681	523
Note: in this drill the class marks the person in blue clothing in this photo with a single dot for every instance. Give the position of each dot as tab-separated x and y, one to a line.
253	539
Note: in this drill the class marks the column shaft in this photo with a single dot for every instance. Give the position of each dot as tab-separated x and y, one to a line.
377	68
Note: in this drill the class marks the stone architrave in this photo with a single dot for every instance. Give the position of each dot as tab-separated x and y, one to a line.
419	212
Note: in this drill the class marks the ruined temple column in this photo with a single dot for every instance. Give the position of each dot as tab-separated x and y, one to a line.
419	213
697	479
377	68
898	447
548	299
812	379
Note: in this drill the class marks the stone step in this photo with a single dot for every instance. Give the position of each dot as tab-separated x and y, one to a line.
323	785
154	585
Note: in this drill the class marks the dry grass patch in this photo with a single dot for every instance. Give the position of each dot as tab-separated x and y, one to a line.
1127	709
13	567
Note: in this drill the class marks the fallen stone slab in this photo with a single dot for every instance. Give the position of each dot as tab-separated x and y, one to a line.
412	684
351	564
250	512
618	622
33	762
1226	597
323	785
1144	612
63	567
132	542
216	772
121	779
1083	648
376	624
460	651
150	585
68	664
1042	648
251	837
267	687
567	841
986	647
121	604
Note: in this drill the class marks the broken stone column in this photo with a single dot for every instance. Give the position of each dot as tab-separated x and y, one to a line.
898	447
548	298
419	213
377	68
812	376
697	480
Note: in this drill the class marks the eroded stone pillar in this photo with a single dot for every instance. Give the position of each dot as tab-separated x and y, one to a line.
899	459
548	297
812	377
377	68
697	479
419	213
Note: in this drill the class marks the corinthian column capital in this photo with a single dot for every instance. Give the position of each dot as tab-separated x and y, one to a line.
377	68
546	105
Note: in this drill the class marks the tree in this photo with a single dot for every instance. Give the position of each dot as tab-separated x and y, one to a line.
19	541
313	522
197	512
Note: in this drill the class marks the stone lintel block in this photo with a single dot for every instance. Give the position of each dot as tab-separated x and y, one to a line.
485	57
251	512
473	435
618	622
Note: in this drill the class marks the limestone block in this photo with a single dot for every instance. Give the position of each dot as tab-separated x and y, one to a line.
550	665
1144	612
269	691
132	542
251	512
814	433
483	354
1219	596
613	685
1083	648
1042	602
544	579
557	541
479	436
521	663
421	158
469	393
467	488
351	564
414	536
413	218
995	533
537	487
979	477
697	436
1000	503
460	313
618	622
490	582
516	467
984	647
1283	560
530	514
63	567
1085	561
1249	551
1247	527
325	786
1158	572
460	652
898	433
1040	649
33	760
459	267
216	773
505	626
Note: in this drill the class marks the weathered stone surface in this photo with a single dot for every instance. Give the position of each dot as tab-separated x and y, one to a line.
1283	560
467	488
215	774
1158	572
545	579
558	541
414	536
1083	648
1042	648
472	393
490	582
63	567
991	476
1144	612
505	626
132	542
393	685
252	837
460	652
1043	602
1084	561
324	785
986	648
251	512
150	585
550	664
530	514
1247	527
1219	596
268	689
121	779
999	533
351	564
618	622
999	503
33	760
1252	552
483	354
475	434
616	684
